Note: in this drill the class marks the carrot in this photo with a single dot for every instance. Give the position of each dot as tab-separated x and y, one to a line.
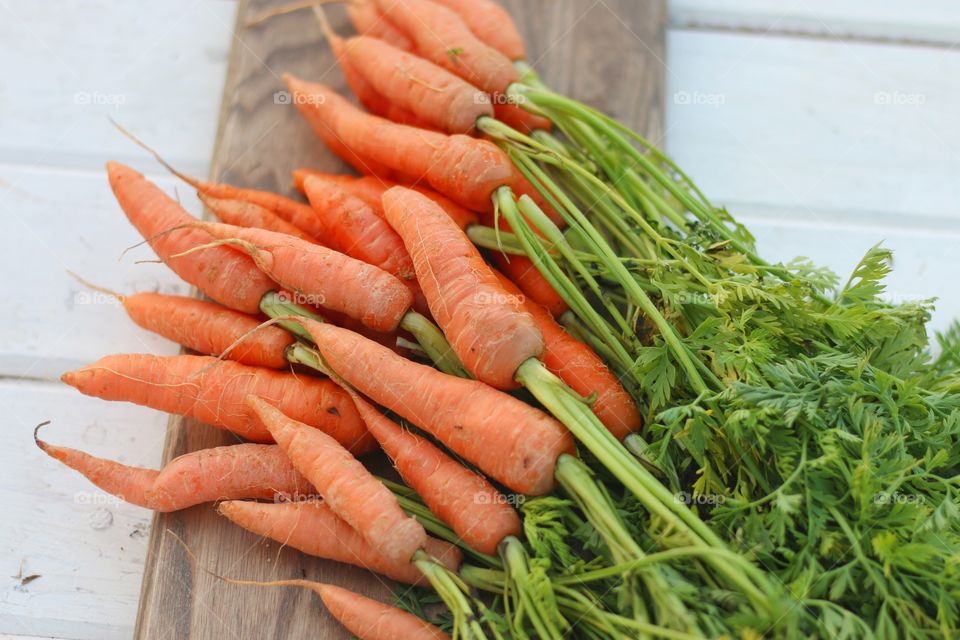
357	229
256	471
209	329
581	369
368	21
345	484
509	440
491	23
465	500
313	528
213	392
519	118
442	37
417	86
524	274
226	276
465	169
246	214
370	189
338	282
374	102
492	336
366	619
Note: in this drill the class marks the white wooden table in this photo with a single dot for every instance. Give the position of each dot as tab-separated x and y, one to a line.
826	126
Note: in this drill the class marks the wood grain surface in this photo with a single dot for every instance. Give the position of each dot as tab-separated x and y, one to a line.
608	53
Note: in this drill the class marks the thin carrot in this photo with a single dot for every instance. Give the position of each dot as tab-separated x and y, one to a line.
333	280
226	276
370	189
524	274
374	102
313	528
246	214
465	169
209	329
491	23
256	471
492	336
440	35
213	392
368	21
577	365
465	500
509	440
345	484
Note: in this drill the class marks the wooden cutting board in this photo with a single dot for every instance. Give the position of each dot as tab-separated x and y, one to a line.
608	53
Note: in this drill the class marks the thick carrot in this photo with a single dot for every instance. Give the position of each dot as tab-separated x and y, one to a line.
313	528
368	21
256	471
345	484
374	102
489	333
443	100
440	35
246	214
370	189
465	500
465	169
491	23
226	276
581	369
333	280
509	440
213	392
209	329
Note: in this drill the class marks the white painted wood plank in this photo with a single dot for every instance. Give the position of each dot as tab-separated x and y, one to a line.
810	125
157	67
87	547
926	21
52	323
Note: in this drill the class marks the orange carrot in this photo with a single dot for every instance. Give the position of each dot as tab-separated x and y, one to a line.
442	37
374	102
370	189
368	21
491	23
345	484
492	336
209	329
524	274
577	365
465	500
509	440
357	229
519	118
434	95
213	392
465	169
366	619
257	471
226	276
335	281
313	528
246	214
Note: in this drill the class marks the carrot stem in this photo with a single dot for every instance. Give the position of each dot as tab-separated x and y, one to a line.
541	609
495	240
433	341
276	305
452	591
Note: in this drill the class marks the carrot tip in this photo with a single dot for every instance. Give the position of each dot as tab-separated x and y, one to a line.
36	437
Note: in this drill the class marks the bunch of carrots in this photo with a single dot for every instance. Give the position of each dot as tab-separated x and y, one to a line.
451	306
